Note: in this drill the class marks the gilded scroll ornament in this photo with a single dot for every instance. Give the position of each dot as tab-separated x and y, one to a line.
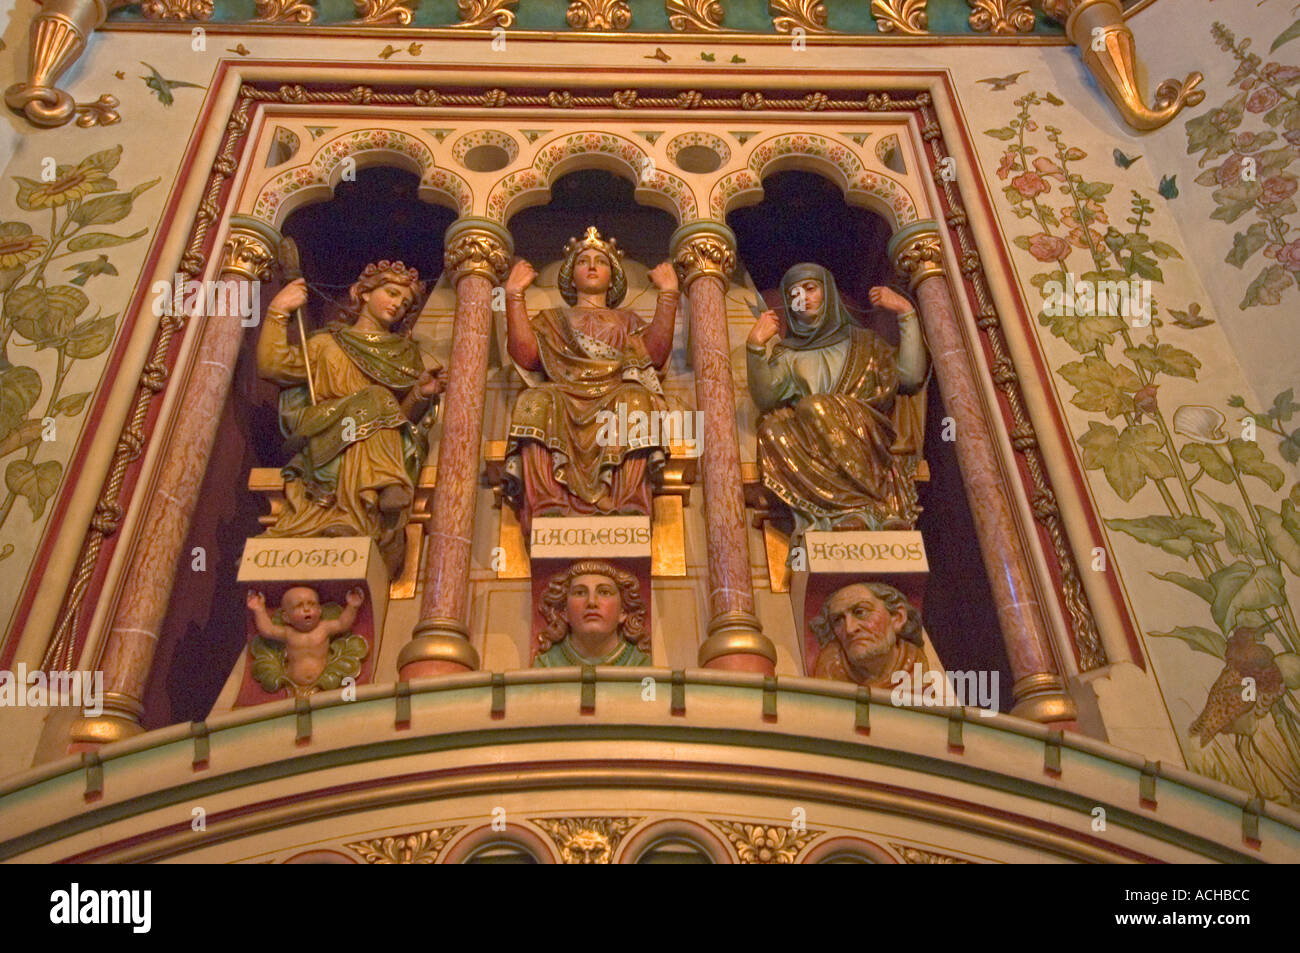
246	255
177	9
419	847
695	16
766	843
706	254
475	252
1098	29
485	13
901	16
1002	16
386	11
586	840
603	15
806	15
285	11
914	855
919	258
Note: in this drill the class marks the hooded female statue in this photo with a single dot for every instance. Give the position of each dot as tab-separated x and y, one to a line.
358	427
597	360
834	444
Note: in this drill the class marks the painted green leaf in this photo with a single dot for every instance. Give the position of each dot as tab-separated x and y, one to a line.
1240	538
1249	459
71	404
1284	406
1086	332
105	161
90	338
1199	638
101	240
1192	584
1165	250
27	432
1173	534
1127	458
1288	664
1102	388
35	483
1242	592
1163	359
109	208
41	315
8	276
1005	133
1245	244
1094	190
1290	446
1267	288
19	388
1208	459
1281	536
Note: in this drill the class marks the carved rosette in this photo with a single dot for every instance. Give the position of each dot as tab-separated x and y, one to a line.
917	253
806	15
419	847
177	9
695	16
285	11
1002	16
476	251
586	840
901	16
250	249
705	253
385	11
1098	29
603	15
766	843
485	13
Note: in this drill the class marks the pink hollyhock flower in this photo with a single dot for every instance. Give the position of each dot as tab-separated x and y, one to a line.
1277	188
1263	99
1030	184
1047	248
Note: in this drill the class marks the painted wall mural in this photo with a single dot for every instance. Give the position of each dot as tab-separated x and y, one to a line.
48	322
1208	486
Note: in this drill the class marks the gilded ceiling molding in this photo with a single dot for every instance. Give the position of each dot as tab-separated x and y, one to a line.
177	9
55	40
766	843
586	840
285	11
1002	16
420	847
485	13
806	15
602	15
901	16
914	855
386	11
1097	28
695	16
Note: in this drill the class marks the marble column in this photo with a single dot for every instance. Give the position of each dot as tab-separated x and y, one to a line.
477	258
133	634
705	253
1039	691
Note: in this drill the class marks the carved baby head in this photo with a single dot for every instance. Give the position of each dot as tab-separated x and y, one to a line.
300	607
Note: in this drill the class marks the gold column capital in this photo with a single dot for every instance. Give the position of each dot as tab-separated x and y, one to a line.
250	249
735	633
703	248
119	720
439	640
477	246
917	252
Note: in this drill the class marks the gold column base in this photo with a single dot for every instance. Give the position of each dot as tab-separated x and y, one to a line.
1043	698
735	633
120	720
440	641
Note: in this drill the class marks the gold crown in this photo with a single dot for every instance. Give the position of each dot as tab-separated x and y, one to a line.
592	239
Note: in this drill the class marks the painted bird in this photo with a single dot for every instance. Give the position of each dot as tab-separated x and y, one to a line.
707	57
415	48
387	51
1168	187
1000	83
162	87
738	59
88	269
239	49
1191	318
659	55
1122	160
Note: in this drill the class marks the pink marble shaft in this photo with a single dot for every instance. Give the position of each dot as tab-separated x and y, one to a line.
133	637
730	586
1024	628
446	575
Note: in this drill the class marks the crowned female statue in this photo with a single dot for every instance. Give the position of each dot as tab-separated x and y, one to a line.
595	360
837	443
354	407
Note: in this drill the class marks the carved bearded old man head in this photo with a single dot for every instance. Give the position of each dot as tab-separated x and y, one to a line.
867	631
594	615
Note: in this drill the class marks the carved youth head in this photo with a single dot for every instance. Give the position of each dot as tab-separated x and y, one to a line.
593	599
867	619
592	266
389	291
300	607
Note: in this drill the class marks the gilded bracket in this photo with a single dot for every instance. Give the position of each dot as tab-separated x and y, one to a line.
1097	28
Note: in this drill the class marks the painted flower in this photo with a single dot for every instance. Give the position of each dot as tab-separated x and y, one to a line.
1008	165
1093	239
1230	172
1277	188
1200	423
1030	184
70	183
1293	137
1048	169
1289	255
1263	99
1281	74
18	245
1095	214
1047	248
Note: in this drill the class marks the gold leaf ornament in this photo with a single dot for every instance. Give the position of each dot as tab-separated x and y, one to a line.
1001	17
902	16
695	16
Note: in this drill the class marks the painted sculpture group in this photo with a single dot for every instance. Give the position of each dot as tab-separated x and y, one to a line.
838	444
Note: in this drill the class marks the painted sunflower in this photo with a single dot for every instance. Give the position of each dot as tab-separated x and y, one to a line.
18	245
70	183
